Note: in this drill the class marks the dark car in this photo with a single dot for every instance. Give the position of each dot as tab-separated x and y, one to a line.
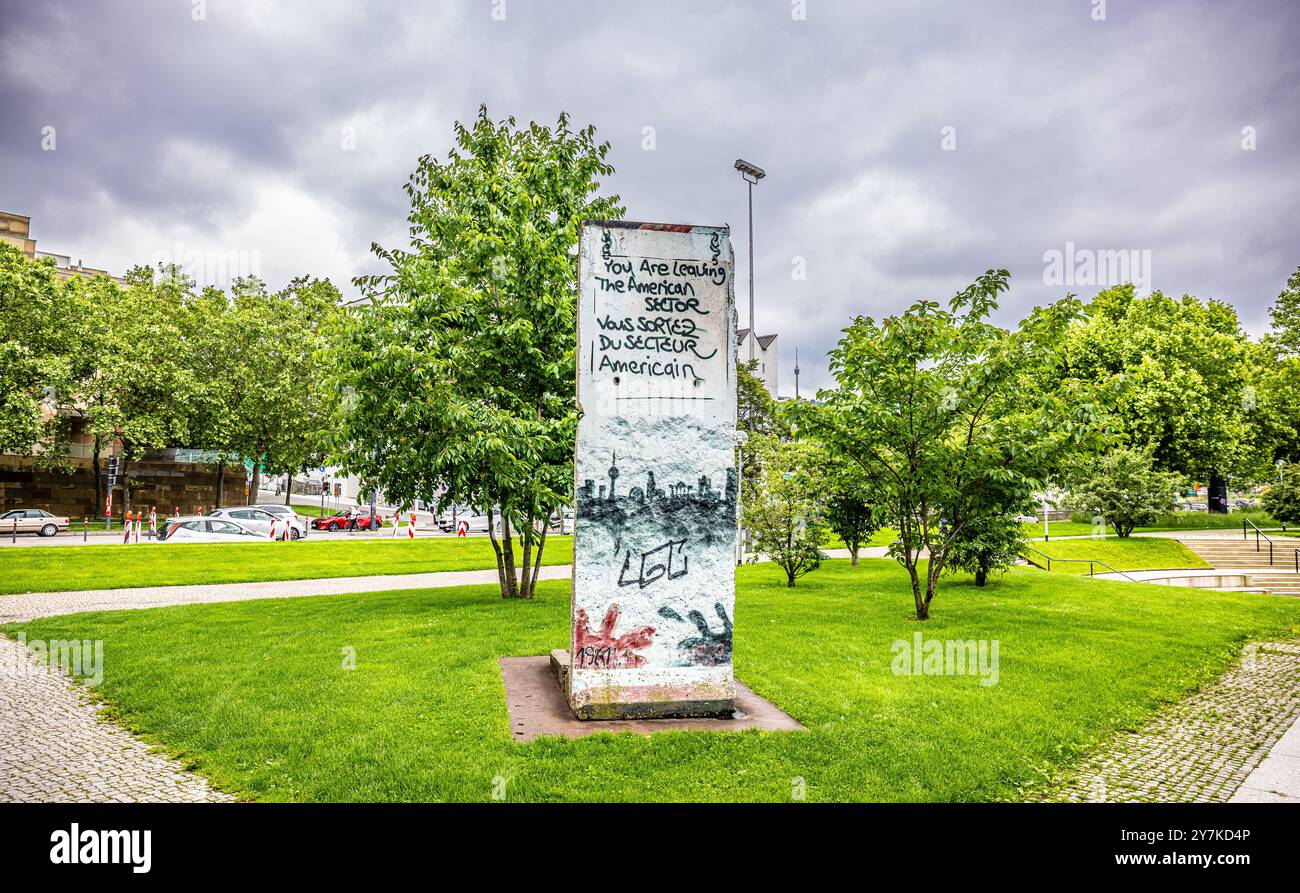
340	522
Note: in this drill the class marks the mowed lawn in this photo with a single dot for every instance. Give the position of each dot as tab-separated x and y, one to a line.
1127	554
256	695
60	568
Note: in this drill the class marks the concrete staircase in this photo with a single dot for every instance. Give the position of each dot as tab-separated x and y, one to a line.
1279	584
1236	554
1239	553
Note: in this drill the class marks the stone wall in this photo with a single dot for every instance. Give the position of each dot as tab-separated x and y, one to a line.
168	485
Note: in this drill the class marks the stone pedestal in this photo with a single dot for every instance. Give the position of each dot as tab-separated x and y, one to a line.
655	476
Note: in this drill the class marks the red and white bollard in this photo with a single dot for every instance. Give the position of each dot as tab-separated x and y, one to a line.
462	527
153	522
273	520
126	527
410	530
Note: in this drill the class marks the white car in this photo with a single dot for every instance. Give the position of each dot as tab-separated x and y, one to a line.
258	520
201	529
298	525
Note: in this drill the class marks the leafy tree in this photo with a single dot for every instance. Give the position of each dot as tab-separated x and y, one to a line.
137	391
1276	372
459	372
1185	375
849	510
935	406
276	392
1285	314
1282	500
989	543
783	509
36	352
1126	489
756	409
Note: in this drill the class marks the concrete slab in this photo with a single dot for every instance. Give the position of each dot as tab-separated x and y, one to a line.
1250	795
537	706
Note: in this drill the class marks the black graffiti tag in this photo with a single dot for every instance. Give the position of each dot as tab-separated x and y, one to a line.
659	563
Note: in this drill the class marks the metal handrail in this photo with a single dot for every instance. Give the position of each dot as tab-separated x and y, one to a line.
1258	534
1088	561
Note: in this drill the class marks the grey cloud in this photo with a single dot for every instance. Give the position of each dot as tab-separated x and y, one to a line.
1117	134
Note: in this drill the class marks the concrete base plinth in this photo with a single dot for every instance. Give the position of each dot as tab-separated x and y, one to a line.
538	706
721	708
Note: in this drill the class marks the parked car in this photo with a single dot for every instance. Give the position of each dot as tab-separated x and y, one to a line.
258	520
37	521
203	529
298	524
340	521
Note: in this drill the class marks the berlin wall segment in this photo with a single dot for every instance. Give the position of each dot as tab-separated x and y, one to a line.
655	476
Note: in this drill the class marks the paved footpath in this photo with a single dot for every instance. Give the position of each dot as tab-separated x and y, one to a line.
19	608
1237	739
54	747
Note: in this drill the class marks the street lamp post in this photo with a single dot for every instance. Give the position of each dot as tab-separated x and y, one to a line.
752	174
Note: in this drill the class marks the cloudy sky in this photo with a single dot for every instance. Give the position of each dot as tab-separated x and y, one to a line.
909	145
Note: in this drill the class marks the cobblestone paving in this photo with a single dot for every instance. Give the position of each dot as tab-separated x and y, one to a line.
53	746
1201	749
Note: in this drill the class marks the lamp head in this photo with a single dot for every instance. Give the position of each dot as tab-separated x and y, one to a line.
751	172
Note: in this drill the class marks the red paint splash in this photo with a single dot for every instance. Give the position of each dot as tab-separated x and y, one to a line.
604	650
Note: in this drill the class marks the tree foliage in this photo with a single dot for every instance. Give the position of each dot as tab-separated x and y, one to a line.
784	507
1282	499
1183	366
850	511
990	543
1125	488
459	372
37	350
937	408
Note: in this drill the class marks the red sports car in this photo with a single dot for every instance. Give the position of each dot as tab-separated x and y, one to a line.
340	522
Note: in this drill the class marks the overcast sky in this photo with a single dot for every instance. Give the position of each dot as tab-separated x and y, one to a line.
909	145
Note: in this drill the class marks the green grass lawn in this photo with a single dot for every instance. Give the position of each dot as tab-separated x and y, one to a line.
1130	554
1165	523
59	568
254	694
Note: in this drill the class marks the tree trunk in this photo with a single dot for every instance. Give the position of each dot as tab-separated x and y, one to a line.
221	481
256	486
537	563
981	575
288	488
922	607
508	553
505	552
789	578
853	552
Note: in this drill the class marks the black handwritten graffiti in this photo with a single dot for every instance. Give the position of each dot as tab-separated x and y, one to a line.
715	245
708	648
606	245
660	563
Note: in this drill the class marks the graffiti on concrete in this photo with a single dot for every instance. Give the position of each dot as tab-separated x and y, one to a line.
708	649
604	650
